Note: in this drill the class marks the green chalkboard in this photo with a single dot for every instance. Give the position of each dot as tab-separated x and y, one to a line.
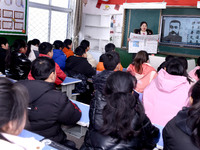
133	17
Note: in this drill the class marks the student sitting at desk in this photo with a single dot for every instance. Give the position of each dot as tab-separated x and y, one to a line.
111	63
46	50
49	108
108	48
78	67
125	125
13	110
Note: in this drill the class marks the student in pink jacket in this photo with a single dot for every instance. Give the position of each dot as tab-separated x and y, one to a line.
142	70
167	93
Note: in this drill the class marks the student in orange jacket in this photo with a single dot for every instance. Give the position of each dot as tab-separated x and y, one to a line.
109	47
68	48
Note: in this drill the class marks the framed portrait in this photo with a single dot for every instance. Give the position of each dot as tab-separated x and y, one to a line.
180	30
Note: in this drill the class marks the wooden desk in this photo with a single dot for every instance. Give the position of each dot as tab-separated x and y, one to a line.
68	85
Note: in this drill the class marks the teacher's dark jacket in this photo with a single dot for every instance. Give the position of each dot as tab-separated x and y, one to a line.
49	109
149	32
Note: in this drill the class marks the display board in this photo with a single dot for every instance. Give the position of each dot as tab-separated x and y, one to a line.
13	17
181	30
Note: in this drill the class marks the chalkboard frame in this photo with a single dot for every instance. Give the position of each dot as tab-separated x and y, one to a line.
185	35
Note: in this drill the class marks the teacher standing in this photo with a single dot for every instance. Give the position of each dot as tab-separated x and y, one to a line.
143	29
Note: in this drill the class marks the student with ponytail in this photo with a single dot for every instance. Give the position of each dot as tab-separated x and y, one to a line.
125	125
183	131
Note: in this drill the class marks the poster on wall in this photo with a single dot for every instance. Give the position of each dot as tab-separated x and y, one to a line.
13	17
181	30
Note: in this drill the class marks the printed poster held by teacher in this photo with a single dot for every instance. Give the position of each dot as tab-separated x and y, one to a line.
138	42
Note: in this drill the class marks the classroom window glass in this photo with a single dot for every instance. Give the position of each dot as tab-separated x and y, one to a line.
40	1
38	24
49	22
58	26
60	3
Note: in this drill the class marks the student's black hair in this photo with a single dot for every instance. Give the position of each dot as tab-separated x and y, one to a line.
42	67
45	47
13	103
111	60
174	67
67	42
31	42
123	113
184	62
194	111
85	43
58	44
198	61
19	43
109	47
3	41
143	23
140	58
197	73
163	65
80	50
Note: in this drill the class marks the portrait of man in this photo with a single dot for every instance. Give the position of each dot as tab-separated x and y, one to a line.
174	28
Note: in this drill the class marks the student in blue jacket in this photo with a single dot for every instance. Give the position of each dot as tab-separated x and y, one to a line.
58	56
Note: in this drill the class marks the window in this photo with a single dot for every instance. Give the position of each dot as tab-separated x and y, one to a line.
49	20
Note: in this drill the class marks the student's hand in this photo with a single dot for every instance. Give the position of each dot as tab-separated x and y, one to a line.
128	39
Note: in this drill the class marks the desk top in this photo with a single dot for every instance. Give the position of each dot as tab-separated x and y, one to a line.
84	121
69	80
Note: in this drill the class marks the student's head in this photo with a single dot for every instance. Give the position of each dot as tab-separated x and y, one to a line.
80	51
174	27
85	44
184	62
68	43
198	61
34	42
122	107
111	60
13	107
109	47
46	48
163	65
58	44
143	26
20	46
4	43
43	68
140	58
169	57
120	81
174	67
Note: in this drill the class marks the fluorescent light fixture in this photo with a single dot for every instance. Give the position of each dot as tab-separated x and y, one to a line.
198	4
156	5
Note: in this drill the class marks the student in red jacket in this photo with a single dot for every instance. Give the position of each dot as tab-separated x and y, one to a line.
46	50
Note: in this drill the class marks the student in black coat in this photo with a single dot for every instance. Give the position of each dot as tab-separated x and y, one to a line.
183	131
125	125
3	53
48	108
